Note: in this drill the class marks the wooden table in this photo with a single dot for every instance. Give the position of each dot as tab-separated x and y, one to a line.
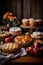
28	59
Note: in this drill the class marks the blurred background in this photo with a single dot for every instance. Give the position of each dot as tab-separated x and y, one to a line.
22	8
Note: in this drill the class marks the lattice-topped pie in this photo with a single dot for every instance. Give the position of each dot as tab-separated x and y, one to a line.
10	47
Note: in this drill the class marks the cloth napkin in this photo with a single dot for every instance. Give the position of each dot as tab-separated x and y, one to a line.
5	58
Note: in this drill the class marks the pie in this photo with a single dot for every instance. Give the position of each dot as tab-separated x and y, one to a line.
22	40
10	47
15	31
38	41
37	35
3	35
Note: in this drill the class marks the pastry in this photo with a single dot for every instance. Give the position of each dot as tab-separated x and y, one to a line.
25	22
37	35
3	35
32	22
10	47
23	40
38	41
4	28
15	31
39	21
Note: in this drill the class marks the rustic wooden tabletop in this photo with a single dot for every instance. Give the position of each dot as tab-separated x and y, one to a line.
28	59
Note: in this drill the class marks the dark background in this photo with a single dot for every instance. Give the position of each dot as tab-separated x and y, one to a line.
22	8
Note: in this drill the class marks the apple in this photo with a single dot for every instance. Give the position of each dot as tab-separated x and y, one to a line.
29	50
12	38
36	45
36	51
7	40
41	51
41	48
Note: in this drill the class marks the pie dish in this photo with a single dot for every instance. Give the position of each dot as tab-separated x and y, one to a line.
10	48
23	40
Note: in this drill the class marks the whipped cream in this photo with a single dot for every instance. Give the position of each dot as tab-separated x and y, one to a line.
38	33
15	29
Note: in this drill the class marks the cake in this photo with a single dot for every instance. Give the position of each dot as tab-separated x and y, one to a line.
23	40
10	47
15	31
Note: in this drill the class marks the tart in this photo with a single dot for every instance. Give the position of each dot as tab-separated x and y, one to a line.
37	35
23	40
10	47
3	35
38	41
15	31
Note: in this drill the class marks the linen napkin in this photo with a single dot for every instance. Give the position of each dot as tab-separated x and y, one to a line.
5	58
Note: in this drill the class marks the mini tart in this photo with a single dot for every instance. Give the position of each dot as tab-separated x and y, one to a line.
15	31
22	40
10	47
3	35
37	35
